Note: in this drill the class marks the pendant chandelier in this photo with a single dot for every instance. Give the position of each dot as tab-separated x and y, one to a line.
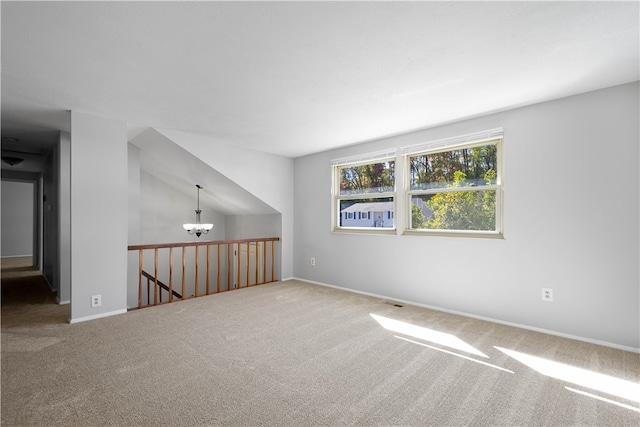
198	228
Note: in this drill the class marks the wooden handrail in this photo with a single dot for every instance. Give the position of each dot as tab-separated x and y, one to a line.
160	284
248	270
202	243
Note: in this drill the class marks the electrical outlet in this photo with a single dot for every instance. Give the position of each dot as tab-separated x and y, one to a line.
96	301
547	294
313	261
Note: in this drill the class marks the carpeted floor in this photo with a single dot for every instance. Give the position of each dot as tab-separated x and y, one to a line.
28	302
296	354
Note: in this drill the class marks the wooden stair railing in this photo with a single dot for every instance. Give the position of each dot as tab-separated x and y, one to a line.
157	282
236	264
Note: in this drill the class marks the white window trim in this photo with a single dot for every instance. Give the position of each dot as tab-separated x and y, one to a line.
402	220
476	138
357	160
365	158
464	141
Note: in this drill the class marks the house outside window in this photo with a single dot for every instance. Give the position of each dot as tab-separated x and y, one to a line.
378	214
364	193
454	187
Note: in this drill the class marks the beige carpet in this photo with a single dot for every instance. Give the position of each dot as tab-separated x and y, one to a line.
295	354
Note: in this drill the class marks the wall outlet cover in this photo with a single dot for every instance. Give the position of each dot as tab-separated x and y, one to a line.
96	301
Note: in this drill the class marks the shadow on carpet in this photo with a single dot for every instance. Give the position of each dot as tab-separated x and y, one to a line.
30	301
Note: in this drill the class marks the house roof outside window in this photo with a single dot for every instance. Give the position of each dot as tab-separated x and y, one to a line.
369	207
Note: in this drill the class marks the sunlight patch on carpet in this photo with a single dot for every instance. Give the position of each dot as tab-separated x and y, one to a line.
603	399
426	334
583	377
455	354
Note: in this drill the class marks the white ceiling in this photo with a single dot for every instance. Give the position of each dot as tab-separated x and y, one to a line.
294	78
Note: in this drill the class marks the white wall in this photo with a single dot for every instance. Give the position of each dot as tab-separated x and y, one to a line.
571	208
133	165
99	215
64	217
164	209
159	211
266	176
133	162
250	226
17	218
50	220
159	205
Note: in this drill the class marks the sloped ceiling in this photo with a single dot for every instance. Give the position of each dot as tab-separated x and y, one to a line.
294	78
176	167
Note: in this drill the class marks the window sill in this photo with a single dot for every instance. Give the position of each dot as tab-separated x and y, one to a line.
455	233
373	231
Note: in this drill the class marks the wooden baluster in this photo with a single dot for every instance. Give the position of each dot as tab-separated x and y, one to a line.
248	255
218	265
196	282
170	274
148	292
256	257
208	250
140	279
238	262
155	276
264	261
184	267
273	256
228	266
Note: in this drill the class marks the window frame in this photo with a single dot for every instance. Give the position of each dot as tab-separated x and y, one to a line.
488	138
336	197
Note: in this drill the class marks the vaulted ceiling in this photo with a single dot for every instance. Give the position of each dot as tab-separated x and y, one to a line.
294	78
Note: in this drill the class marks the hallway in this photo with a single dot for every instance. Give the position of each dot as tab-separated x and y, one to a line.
26	296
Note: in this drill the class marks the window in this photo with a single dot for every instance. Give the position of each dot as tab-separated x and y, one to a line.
364	193
455	186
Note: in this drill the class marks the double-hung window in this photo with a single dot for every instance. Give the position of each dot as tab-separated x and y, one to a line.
364	193
454	186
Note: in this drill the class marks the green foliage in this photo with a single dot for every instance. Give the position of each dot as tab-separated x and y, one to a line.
369	178
463	210
417	217
438	170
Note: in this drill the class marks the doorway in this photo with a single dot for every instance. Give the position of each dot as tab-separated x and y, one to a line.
20	222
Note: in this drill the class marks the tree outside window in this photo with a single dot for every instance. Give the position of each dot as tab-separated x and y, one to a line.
455	189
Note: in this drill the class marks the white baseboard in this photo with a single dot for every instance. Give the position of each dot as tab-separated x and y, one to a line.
488	319
51	288
98	316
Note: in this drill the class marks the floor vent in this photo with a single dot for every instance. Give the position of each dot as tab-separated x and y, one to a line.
393	303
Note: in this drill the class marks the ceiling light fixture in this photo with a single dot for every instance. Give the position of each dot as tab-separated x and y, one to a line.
198	228
12	160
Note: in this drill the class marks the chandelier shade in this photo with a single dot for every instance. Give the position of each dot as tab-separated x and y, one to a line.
198	228
12	160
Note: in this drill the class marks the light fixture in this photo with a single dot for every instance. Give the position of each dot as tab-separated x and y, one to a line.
12	160
198	228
